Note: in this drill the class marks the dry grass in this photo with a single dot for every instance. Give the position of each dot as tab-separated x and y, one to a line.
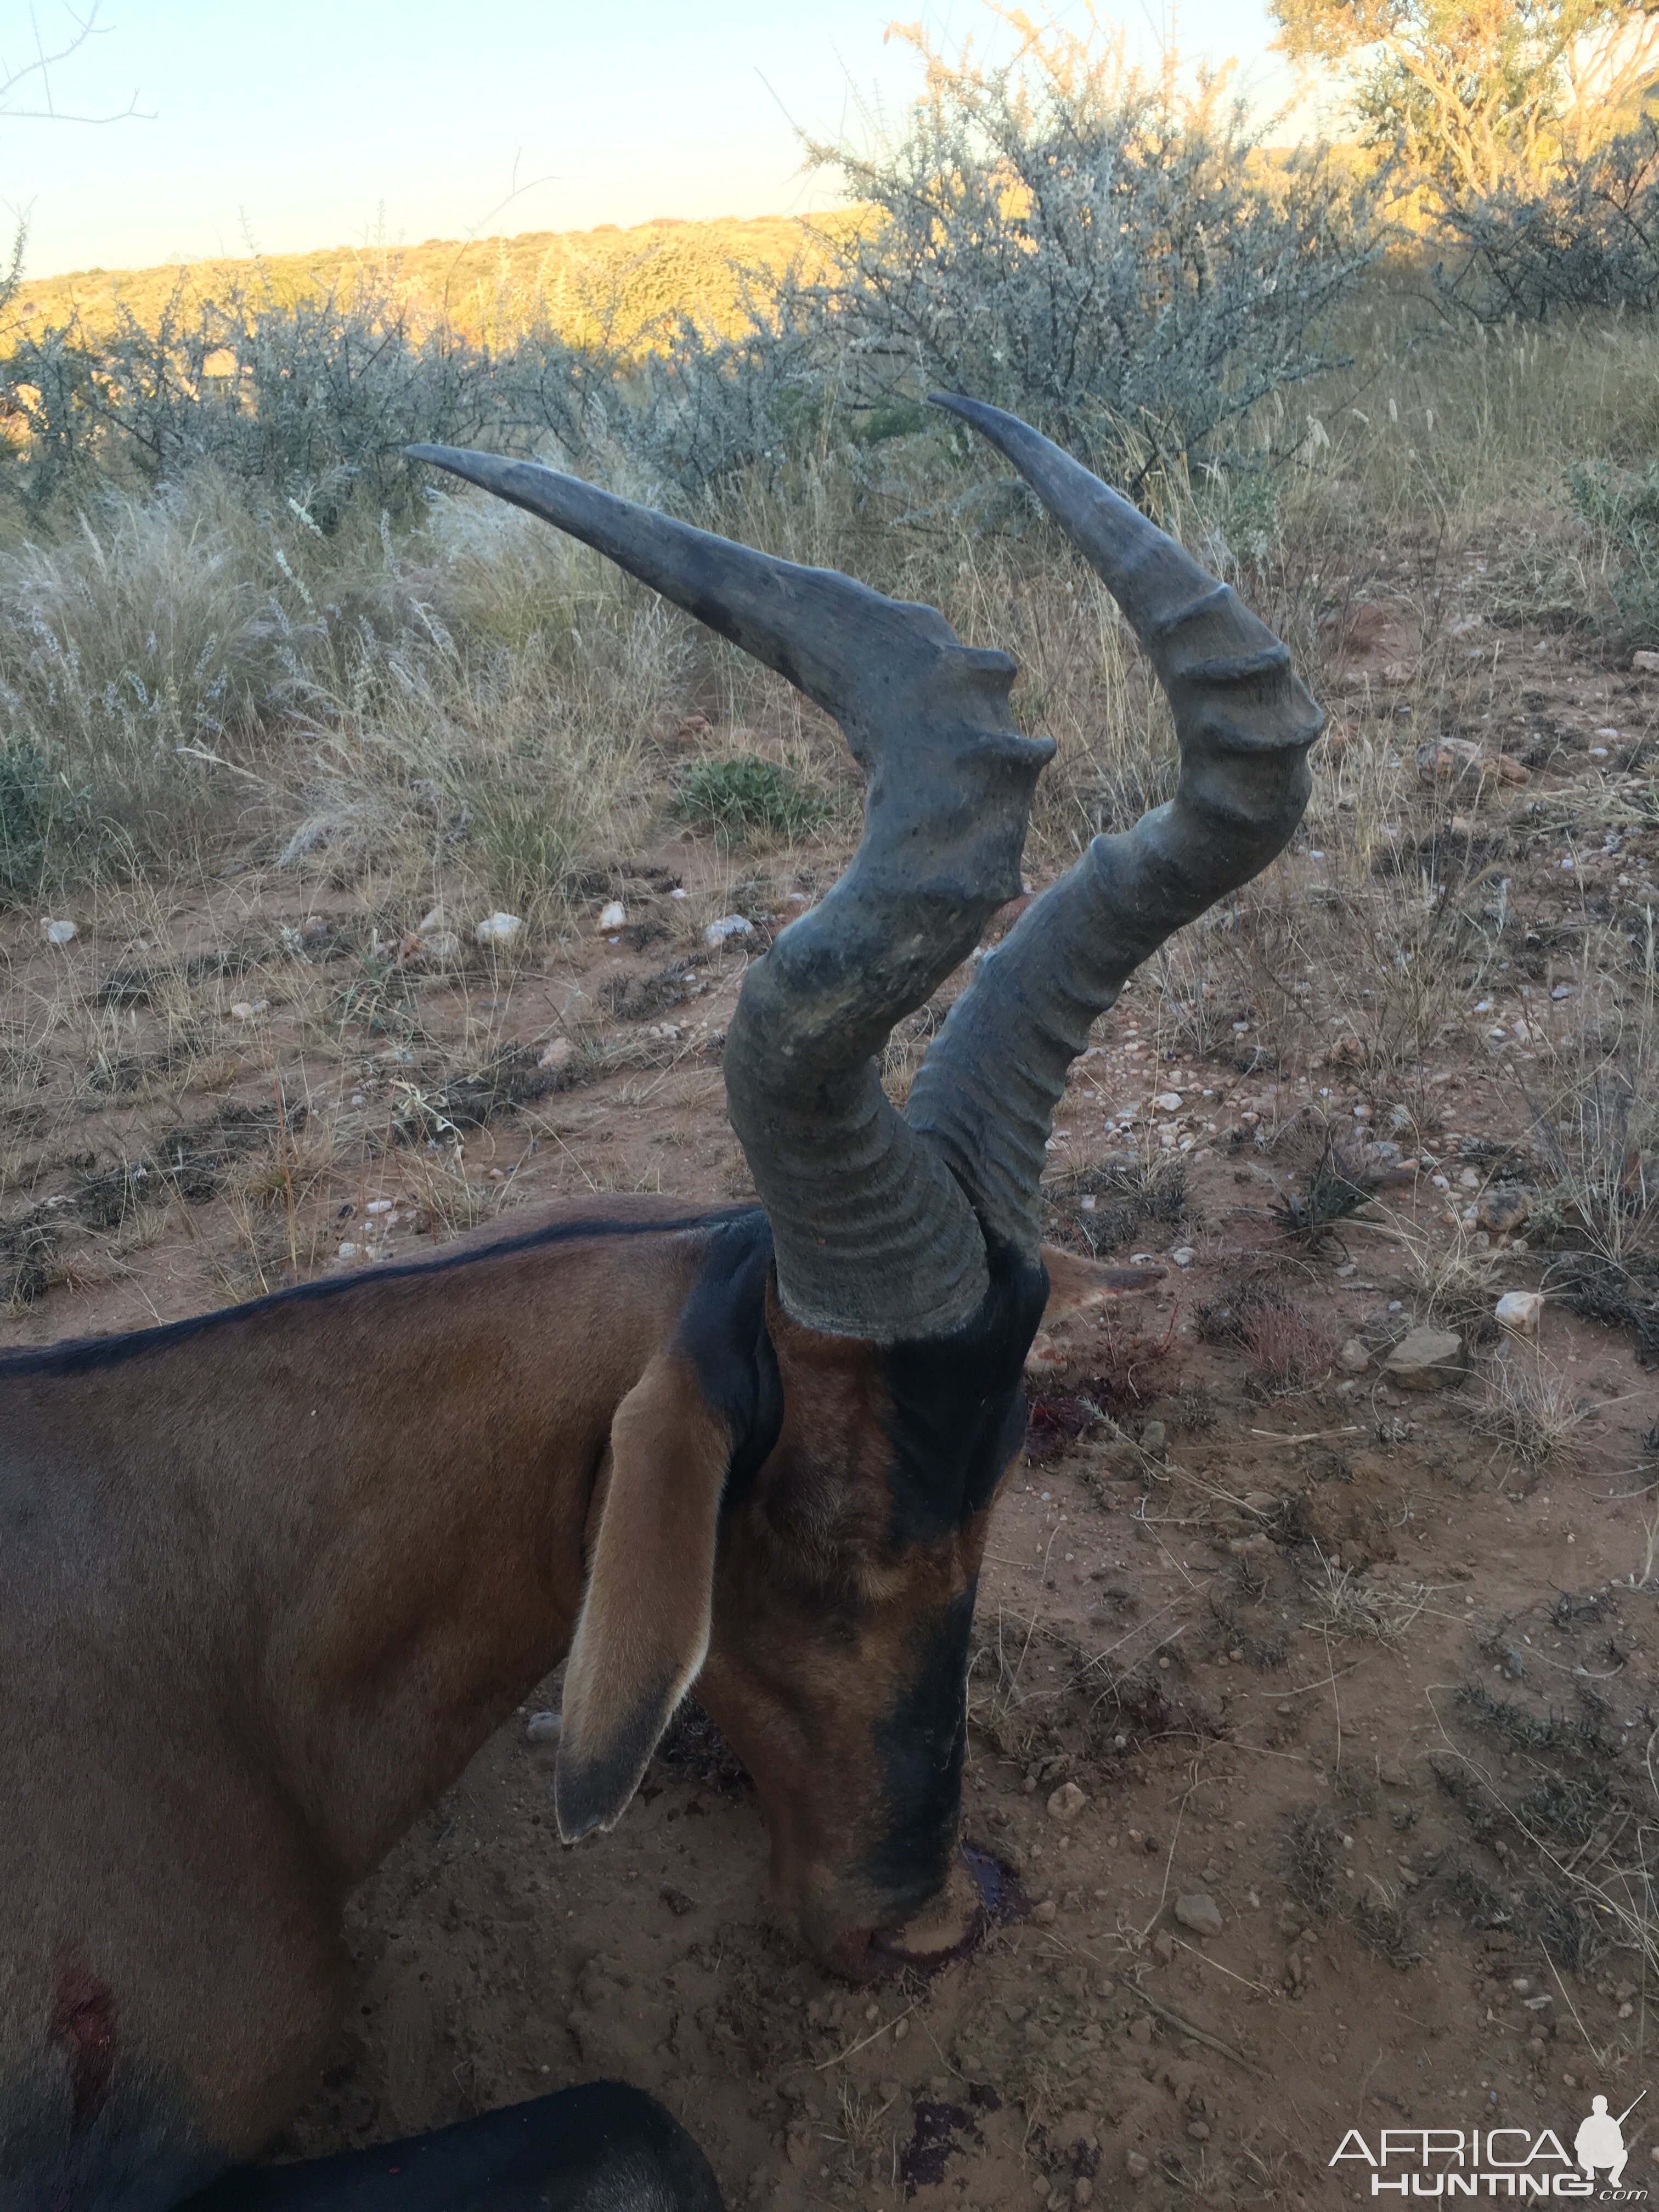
1345	1605
1522	1406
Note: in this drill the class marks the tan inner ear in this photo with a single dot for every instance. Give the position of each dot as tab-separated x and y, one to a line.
642	1633
1075	1285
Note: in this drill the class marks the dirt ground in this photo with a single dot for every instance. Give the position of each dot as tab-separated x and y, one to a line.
1312	1713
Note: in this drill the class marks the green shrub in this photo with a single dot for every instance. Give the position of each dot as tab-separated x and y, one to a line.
1118	262
1622	508
1586	239
741	796
36	799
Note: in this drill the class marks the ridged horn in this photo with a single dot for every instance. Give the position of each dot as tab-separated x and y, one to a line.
986	1093
873	1238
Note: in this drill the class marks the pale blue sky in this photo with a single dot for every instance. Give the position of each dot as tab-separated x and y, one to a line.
312	123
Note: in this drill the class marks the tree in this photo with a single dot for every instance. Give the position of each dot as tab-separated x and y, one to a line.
1108	254
1475	95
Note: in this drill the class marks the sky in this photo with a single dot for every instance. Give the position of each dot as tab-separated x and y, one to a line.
320	123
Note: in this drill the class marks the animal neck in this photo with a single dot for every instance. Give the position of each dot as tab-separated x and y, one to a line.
366	1512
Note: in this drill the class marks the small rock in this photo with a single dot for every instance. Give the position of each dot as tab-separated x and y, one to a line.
1354	1357
436	948
1135	2165
379	1205
728	925
1152	1437
59	932
1067	1802
1503	1212
1164	1946
1427	1360
543	1727
433	919
347	1252
1469	1180
500	932
1392	1775
1198	2131
559	1050
1562	991
1520	1312
1183	1256
1645	664
1045	1911
614	916
249	1010
1168	1101
1199	1912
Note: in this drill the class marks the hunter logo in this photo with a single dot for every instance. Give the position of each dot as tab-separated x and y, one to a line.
1498	2161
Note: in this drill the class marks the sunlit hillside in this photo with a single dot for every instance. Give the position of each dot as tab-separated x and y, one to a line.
585	283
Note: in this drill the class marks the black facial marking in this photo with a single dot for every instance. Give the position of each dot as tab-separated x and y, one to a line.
722	1329
956	1405
920	1746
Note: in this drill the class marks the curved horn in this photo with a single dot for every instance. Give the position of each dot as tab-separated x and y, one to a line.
873	1238
986	1093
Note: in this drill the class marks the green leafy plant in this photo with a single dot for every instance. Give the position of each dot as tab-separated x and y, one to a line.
1622	509
742	796
35	799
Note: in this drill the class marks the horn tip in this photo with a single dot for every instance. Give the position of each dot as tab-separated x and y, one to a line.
971	411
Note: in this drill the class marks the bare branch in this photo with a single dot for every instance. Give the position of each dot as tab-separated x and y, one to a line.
37	71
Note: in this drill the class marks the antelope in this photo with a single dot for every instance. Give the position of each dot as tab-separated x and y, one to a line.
270	1577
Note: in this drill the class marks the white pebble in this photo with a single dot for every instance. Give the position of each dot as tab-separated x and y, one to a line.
614	916
1520	1310
59	932
499	929
729	924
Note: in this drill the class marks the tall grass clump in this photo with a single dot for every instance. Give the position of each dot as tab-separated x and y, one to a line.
141	655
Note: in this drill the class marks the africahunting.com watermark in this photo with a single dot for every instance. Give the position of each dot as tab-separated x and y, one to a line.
1507	2161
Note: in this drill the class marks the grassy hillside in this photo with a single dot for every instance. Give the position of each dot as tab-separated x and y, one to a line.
583	283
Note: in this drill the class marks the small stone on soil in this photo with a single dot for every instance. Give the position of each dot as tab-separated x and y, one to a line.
1199	1912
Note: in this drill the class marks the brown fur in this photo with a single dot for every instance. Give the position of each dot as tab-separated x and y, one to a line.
262	1595
266	1589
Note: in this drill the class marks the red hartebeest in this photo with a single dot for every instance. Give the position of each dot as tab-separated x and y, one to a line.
269	1578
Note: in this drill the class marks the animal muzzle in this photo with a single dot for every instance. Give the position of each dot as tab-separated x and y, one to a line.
977	1895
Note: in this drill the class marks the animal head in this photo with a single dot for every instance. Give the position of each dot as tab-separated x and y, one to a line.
794	1506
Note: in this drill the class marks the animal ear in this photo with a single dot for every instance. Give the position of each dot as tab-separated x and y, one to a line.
642	1633
1078	1285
